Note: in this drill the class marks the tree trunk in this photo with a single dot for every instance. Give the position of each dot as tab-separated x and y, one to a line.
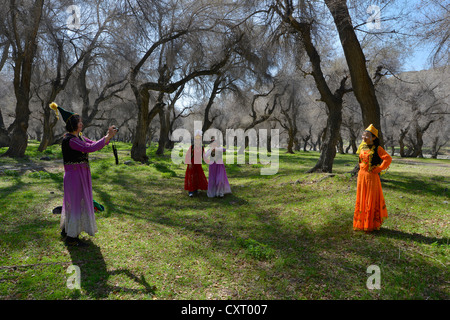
139	147
305	142
4	136
57	85
332	101
401	141
436	147
390	143
362	84
48	136
171	121
420	131
419	144
340	145
348	147
163	131
306	139
353	141
290	146
169	143
145	117
23	66
4	57
206	122
328	151
297	145
19	137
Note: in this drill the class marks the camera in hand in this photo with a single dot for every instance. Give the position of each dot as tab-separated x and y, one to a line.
116	129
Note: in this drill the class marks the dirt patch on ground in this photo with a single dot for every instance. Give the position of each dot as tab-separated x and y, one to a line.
413	162
33	166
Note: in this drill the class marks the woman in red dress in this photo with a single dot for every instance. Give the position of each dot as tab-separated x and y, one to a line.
194	178
370	207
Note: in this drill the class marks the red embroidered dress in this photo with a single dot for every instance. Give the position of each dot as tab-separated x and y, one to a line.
195	178
370	207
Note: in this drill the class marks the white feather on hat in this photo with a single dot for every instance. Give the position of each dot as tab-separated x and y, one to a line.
198	133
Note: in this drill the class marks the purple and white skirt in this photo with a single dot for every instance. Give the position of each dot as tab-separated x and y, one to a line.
78	209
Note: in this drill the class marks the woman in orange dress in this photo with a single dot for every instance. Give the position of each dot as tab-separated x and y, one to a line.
370	208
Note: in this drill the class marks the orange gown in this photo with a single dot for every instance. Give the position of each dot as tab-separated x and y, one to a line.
370	208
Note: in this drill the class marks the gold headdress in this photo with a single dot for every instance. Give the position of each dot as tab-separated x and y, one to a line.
372	130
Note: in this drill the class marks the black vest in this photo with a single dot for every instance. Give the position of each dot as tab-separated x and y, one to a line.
71	156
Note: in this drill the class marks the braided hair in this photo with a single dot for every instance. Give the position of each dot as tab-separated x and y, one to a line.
376	160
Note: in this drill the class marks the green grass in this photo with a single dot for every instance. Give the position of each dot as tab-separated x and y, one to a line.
286	236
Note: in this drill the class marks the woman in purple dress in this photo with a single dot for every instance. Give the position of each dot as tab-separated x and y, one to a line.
77	213
218	184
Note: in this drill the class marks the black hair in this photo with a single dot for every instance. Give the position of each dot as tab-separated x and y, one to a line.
376	160
192	150
72	123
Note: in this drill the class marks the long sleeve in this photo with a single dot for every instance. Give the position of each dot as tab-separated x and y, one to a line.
187	158
207	156
218	158
88	140
387	159
87	146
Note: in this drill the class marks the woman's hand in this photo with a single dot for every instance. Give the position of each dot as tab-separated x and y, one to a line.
376	170
111	133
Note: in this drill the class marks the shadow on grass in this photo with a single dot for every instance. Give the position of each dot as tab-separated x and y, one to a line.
22	232
229	200
330	255
163	168
95	275
17	185
308	257
36	172
413	185
416	237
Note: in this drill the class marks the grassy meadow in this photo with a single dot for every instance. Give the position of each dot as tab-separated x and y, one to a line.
286	236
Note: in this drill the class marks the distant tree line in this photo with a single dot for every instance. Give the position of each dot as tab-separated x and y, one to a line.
317	71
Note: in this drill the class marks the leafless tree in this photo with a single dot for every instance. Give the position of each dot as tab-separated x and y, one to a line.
22	21
415	106
164	28
303	27
289	117
431	21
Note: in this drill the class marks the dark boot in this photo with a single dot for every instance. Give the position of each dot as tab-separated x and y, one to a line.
75	242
